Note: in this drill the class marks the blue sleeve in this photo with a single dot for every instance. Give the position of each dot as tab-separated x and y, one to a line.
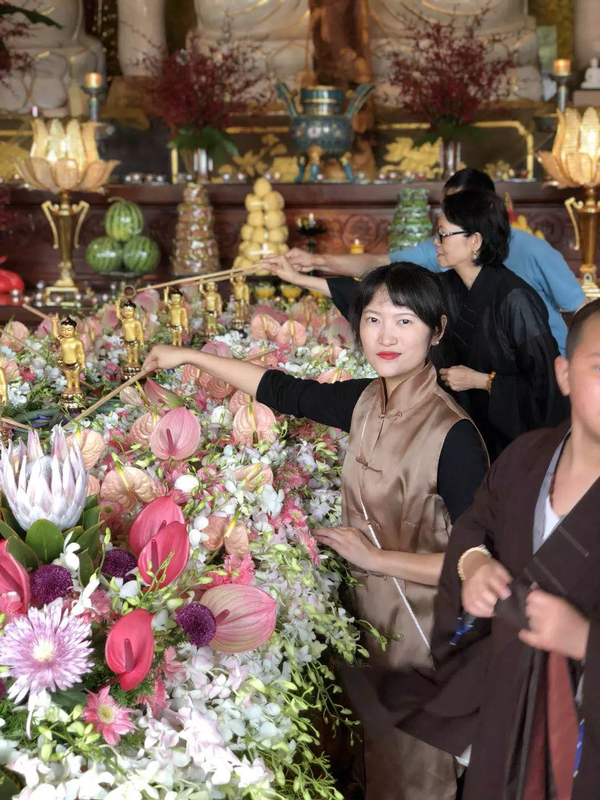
562	287
422	254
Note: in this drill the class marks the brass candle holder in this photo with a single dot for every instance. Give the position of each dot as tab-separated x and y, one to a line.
64	160
575	163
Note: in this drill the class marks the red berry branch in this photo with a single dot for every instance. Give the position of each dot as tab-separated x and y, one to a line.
446	74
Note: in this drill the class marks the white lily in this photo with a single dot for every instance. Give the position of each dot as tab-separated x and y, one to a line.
38	486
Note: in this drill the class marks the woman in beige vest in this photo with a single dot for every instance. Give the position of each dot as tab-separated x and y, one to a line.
413	464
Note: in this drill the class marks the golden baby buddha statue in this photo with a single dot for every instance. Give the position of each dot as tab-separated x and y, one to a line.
178	317
133	336
72	355
241	298
213	306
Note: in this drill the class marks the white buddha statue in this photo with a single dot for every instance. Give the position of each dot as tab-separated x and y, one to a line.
61	58
142	34
592	75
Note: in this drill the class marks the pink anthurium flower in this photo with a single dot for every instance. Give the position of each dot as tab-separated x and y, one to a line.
334	375
143	426
159	396
151	519
130	648
245	615
263	326
254	422
291	332
176	436
171	543
15	593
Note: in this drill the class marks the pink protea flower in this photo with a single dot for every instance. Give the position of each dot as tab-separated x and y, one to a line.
156	701
177	435
47	649
107	717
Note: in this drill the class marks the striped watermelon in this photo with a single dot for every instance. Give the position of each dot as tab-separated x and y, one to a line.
141	255
123	220
104	255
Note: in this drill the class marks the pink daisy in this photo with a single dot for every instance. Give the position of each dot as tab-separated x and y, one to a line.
236	571
45	649
306	539
107	717
155	702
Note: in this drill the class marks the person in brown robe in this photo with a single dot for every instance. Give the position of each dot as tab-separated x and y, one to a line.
413	464
517	683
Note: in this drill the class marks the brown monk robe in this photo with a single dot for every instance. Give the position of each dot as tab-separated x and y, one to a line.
491	691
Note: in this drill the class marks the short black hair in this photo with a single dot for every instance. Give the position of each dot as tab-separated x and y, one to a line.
68	321
175	291
408	285
469	178
578	323
129	304
483	213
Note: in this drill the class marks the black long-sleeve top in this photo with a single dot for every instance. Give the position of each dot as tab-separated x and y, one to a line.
463	461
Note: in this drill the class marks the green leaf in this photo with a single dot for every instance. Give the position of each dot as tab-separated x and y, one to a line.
6	531
89	540
33	16
86	568
91	517
46	539
69	698
75	533
22	552
9	517
10	785
91	502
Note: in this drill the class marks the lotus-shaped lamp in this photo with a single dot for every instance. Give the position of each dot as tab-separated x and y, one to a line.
575	156
38	486
65	159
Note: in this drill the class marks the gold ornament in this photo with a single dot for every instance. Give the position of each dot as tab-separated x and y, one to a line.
213	306
133	336
178	317
72	359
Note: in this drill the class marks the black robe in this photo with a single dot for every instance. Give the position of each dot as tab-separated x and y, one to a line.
485	684
498	325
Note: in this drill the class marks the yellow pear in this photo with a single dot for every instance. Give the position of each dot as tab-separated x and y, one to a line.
274	219
243	263
273	201
257	219
278	235
253	203
259	235
262	187
246	232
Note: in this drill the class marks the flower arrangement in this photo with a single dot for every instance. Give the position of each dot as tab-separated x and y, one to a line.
446	74
166	636
212	83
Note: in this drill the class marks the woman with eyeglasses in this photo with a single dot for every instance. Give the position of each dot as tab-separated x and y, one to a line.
498	354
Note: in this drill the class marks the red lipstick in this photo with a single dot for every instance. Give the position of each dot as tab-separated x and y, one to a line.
388	355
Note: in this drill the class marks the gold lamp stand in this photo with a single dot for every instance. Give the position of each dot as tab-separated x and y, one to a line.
585	224
65	220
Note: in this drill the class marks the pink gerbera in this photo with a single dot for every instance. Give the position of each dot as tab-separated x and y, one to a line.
156	701
107	717
45	649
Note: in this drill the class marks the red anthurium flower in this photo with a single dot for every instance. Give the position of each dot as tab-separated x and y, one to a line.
15	594
173	541
130	648
245	617
176	436
151	519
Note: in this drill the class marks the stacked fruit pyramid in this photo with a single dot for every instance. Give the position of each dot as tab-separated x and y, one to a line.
265	232
196	250
123	249
411	223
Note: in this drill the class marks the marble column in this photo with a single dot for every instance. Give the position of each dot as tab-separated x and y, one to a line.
142	33
586	31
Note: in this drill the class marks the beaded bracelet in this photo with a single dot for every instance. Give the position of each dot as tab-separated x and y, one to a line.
491	377
481	548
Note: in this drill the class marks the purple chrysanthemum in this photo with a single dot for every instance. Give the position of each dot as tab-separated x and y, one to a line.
118	563
46	649
198	623
50	582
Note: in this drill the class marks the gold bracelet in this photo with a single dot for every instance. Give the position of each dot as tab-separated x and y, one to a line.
481	548
491	377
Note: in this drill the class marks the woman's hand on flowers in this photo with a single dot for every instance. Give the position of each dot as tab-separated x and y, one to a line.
351	544
461	379
164	356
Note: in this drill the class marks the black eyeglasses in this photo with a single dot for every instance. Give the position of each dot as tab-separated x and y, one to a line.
441	236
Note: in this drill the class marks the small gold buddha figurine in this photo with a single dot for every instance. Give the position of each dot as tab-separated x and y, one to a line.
133	336
72	355
213	306
241	297
178	317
